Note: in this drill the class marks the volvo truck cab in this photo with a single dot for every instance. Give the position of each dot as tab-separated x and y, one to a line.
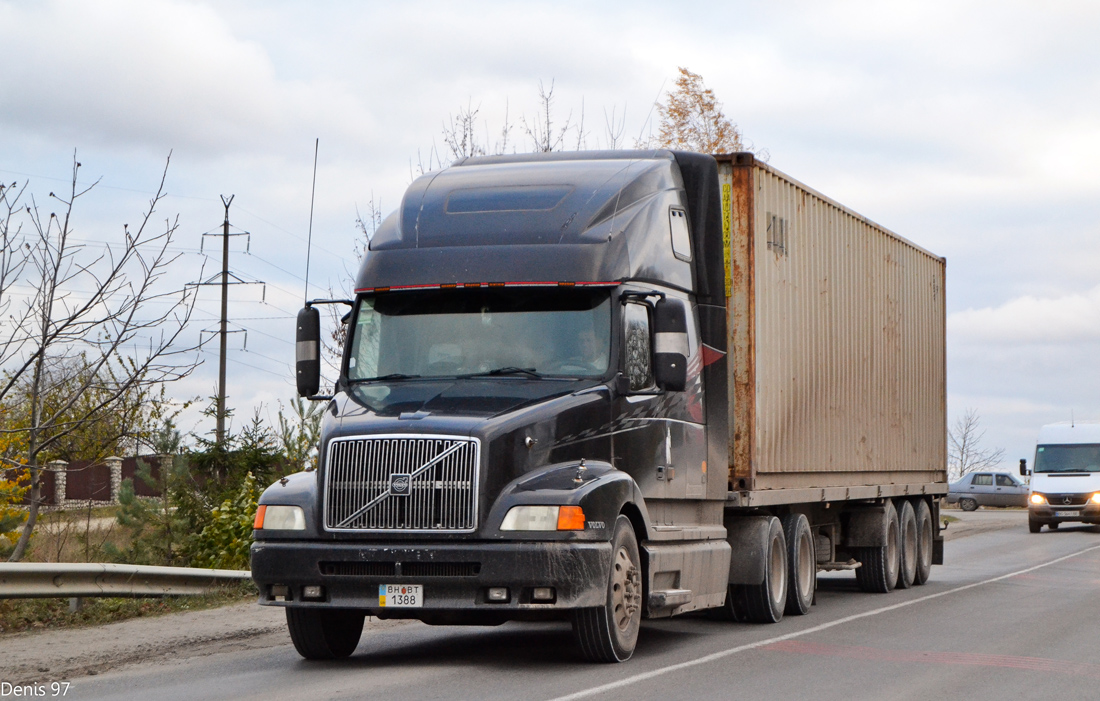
1065	478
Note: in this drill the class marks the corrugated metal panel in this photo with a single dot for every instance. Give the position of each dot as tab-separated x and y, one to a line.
839	336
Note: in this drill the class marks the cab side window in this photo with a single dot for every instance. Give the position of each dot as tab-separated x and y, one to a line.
983	481
636	346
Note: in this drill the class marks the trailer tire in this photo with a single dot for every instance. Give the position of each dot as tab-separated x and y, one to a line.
878	572
323	634
925	537
609	633
1034	525
907	540
801	564
764	602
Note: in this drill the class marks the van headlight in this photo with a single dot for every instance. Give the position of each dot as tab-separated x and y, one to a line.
1037	498
1095	498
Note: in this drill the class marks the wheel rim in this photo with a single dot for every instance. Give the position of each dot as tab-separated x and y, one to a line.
626	590
925	544
806	565
777	574
892	560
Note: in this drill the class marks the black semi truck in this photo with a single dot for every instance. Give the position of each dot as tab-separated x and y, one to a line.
609	386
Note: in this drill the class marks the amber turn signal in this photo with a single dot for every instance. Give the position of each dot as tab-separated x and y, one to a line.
570	518
259	522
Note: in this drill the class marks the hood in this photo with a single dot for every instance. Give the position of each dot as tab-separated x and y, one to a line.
1065	483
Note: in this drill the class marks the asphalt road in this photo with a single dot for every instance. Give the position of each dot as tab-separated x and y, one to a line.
1011	615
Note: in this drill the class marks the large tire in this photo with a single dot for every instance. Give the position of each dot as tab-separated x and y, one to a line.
323	634
907	540
925	538
1053	525
878	572
968	504
609	633
801	564
764	602
1034	525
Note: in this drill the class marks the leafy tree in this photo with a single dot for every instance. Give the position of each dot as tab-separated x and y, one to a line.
300	435
224	543
692	119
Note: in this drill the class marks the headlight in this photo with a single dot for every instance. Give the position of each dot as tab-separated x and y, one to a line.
1096	498
280	518
1037	498
543	518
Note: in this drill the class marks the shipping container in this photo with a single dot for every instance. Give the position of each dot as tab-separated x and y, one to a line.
836	330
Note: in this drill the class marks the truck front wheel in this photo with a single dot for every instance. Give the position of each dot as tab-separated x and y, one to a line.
320	634
609	633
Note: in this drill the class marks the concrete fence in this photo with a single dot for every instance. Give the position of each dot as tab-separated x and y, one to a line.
80	484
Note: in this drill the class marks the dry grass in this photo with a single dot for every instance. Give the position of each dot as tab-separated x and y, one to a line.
17	615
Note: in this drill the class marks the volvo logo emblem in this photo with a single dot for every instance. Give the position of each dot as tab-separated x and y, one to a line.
400	484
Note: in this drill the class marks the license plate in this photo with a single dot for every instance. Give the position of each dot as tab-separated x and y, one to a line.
1067	514
400	595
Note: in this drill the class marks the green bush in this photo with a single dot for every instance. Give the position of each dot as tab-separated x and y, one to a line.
224	543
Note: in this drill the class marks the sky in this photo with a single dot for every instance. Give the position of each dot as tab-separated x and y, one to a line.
970	128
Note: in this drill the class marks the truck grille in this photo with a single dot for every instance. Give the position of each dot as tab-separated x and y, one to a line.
1068	499
402	483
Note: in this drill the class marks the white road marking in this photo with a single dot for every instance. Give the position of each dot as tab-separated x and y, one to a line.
584	693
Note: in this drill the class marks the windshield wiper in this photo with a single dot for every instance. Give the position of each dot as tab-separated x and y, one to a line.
391	376
507	371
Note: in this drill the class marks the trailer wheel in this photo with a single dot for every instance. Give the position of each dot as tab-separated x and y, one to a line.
1034	525
320	634
609	633
764	602
907	539
879	570
925	536
801	564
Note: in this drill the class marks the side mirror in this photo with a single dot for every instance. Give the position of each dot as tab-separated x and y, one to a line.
670	346
1024	472
307	352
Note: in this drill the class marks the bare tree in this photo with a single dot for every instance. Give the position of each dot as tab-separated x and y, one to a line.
965	453
692	119
108	310
544	135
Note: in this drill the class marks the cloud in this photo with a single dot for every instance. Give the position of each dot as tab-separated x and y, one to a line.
1069	319
153	72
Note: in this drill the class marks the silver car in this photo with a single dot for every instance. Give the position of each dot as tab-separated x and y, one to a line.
987	489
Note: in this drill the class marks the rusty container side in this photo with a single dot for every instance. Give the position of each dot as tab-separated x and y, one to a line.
837	330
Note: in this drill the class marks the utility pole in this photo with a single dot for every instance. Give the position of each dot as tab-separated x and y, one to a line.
224	321
224	280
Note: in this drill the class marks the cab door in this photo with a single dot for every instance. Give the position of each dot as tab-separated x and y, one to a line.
656	439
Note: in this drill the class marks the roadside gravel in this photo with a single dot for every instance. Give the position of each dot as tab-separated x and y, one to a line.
68	653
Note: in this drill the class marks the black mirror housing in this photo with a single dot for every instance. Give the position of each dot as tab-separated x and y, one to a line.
670	345
1023	467
307	352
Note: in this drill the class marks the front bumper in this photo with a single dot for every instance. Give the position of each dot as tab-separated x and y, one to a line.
1047	513
455	577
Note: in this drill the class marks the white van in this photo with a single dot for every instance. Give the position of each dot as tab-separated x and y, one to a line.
1065	479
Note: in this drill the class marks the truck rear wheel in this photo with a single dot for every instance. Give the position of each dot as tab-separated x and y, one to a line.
801	564
925	536
907	539
609	633
764	602
321	634
879	565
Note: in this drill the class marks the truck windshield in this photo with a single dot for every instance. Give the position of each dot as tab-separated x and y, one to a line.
503	331
1067	458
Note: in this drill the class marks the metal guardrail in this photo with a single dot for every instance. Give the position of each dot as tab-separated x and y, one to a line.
21	580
